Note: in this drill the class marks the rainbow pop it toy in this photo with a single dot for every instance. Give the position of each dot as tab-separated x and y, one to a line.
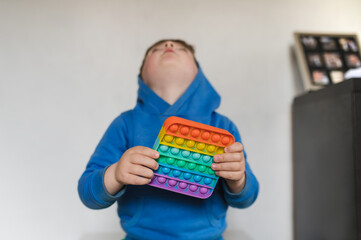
186	150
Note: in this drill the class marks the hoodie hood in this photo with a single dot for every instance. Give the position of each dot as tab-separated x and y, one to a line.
199	100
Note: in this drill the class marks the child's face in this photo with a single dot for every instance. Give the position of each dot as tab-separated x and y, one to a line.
165	56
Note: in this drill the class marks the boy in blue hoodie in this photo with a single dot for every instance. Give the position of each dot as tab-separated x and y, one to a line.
171	83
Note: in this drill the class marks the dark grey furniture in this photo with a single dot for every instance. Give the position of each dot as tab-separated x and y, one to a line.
327	163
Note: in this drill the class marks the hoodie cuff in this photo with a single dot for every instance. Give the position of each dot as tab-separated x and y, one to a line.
100	192
244	198
228	191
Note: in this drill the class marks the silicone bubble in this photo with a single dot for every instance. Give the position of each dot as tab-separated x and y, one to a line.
215	138
186	153
203	190
179	141
225	140
175	151
172	182
190	143
176	173
195	133
197	178
170	161
192	166
201	168
205	135
201	146
207	180
184	130
211	148
173	128
220	151
206	158
181	163
161	180
183	185
165	170
187	175
163	148
196	156
193	188
168	138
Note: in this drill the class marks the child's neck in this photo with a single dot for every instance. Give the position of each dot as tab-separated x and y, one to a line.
171	85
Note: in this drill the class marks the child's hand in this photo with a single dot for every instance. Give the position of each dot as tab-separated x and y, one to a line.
134	167
231	166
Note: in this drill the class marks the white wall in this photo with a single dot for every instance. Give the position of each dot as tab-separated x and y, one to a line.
68	68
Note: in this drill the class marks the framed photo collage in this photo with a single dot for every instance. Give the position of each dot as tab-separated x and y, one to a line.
324	58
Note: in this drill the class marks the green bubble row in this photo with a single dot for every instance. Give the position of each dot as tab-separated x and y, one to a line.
186	165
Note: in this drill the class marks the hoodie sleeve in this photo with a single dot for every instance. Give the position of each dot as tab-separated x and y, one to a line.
91	188
249	194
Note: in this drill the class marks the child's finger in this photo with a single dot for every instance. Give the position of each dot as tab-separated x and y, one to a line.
141	171
228	166
136	180
146	151
235	147
145	161
230	175
228	157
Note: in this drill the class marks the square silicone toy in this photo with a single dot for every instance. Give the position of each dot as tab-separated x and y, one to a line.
186	151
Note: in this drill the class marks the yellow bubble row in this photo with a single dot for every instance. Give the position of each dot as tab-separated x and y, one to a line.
192	144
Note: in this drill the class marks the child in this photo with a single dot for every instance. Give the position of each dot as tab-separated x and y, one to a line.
171	83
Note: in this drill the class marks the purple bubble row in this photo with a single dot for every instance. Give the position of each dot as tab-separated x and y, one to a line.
183	187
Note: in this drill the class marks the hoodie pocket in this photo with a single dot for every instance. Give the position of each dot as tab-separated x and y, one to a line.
131	218
216	211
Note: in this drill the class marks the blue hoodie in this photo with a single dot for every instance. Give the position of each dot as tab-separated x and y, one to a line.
151	213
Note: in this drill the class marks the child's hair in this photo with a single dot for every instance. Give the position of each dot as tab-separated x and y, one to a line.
183	43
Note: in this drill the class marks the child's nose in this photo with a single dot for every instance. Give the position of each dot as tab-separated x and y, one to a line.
169	44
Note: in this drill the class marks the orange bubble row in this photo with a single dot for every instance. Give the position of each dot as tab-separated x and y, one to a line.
200	134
